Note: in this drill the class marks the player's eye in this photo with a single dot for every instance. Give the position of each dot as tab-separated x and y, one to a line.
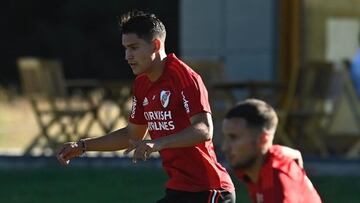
232	136
133	48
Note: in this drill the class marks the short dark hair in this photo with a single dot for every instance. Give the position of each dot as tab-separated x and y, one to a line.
145	25
257	114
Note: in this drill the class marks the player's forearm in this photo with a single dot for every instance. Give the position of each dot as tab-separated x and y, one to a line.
113	141
194	134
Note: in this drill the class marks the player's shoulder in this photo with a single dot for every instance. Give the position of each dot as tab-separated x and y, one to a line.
180	71
141	81
278	160
283	165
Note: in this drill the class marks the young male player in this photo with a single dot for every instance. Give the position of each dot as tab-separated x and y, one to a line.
170	102
270	171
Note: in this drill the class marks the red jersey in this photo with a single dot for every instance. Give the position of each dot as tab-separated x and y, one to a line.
281	180
166	106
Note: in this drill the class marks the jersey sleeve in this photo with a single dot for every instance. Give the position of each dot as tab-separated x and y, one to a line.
137	110
293	186
194	96
282	191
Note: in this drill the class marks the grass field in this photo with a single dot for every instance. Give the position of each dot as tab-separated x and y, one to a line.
135	185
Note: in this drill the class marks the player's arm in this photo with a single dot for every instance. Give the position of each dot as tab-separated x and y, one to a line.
200	130
118	139
113	141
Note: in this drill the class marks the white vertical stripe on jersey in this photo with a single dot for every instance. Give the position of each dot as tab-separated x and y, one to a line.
213	197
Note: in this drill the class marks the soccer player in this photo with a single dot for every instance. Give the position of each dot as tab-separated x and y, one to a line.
170	101
269	171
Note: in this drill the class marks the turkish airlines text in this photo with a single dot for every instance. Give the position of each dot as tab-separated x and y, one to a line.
159	120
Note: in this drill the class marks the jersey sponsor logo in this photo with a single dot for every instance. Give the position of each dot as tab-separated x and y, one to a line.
165	98
157	115
186	103
161	125
145	102
159	120
133	109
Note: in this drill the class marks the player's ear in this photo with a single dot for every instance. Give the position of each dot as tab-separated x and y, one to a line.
156	44
264	138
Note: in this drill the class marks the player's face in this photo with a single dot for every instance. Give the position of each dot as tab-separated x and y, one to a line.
239	143
139	53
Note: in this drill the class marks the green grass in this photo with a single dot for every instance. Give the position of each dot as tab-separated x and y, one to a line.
81	185
338	189
135	185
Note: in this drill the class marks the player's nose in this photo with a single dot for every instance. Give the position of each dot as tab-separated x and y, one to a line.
128	55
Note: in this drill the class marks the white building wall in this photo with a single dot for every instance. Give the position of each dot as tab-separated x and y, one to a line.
200	29
240	33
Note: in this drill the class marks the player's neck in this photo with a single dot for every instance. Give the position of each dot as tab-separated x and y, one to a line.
158	67
253	172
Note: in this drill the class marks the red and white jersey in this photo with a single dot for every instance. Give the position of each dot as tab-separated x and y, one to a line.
281	180
166	106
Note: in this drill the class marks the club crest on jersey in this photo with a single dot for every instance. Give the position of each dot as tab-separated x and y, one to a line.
165	98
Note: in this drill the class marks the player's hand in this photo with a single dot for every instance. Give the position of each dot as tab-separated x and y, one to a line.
68	151
142	149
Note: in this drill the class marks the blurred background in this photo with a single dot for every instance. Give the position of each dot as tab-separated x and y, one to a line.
63	77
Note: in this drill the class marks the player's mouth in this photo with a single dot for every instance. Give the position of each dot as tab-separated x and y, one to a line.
132	65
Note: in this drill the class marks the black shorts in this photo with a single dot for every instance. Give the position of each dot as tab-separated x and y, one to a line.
213	196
